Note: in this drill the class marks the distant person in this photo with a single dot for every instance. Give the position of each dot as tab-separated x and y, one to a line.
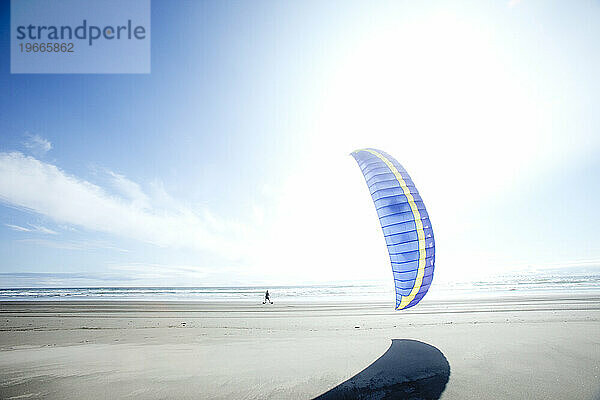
267	298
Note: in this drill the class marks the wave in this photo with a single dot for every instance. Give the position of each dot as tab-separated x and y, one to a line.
514	285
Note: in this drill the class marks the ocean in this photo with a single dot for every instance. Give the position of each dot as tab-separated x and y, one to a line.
515	285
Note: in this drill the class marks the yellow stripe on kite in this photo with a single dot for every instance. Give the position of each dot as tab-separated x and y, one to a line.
420	233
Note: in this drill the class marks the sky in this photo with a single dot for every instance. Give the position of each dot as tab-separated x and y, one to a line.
229	163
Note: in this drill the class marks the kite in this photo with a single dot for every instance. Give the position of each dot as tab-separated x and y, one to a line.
405	224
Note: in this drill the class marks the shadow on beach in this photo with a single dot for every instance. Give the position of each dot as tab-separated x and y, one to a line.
409	369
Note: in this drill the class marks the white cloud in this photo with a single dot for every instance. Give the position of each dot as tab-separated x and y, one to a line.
37	144
53	279
130	190
72	244
317	229
18	228
43	229
130	275
174	274
43	188
32	228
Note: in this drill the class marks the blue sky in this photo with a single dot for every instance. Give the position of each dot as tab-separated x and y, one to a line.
229	165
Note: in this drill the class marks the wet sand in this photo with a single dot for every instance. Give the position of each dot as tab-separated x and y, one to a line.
545	347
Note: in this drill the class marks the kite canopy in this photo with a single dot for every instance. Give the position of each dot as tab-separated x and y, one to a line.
405	224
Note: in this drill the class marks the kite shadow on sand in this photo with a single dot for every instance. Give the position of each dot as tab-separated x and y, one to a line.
409	369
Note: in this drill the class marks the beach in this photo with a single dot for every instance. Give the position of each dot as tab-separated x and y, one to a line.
535	347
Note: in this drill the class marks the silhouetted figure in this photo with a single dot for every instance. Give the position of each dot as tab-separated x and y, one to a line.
267	298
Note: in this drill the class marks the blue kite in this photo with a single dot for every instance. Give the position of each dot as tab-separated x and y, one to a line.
405	224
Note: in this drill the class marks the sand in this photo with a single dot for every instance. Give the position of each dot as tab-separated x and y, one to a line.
506	348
